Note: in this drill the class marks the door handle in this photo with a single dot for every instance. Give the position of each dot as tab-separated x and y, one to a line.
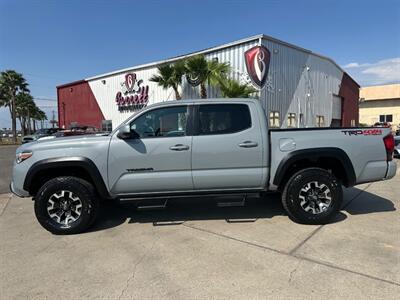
179	147
248	144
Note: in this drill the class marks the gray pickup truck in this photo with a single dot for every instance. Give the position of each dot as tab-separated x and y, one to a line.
199	147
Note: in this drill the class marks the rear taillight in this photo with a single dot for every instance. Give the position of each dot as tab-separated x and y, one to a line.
389	146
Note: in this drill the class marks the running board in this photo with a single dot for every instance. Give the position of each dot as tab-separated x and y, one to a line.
154	197
233	203
153	207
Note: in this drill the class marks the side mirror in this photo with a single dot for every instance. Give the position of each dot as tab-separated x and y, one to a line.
124	132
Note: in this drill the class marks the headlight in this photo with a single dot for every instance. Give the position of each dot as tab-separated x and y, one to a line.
20	157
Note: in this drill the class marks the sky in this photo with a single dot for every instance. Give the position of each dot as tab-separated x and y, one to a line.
55	42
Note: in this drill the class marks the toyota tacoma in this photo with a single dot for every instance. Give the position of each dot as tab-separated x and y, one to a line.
196	148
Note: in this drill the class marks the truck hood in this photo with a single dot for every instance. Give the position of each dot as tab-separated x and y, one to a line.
81	141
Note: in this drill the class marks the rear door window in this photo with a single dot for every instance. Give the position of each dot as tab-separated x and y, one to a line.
223	118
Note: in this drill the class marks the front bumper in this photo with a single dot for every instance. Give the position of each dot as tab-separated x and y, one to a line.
18	192
391	170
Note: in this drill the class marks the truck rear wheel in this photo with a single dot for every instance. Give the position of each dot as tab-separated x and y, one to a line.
66	205
312	196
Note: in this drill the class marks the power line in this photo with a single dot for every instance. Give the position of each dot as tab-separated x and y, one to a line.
45	99
41	76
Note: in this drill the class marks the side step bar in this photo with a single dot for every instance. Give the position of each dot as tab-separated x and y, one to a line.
233	203
154	206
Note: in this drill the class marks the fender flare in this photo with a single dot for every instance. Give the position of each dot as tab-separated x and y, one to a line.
60	162
313	155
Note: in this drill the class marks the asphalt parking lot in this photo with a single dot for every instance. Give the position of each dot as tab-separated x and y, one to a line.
196	250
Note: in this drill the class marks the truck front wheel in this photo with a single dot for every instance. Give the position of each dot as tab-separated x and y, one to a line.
312	196
66	205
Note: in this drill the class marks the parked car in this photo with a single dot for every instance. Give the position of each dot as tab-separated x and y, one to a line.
77	130
397	146
382	124
38	134
196	148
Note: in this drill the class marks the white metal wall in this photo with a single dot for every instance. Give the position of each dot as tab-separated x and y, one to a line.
105	93
298	82
301	83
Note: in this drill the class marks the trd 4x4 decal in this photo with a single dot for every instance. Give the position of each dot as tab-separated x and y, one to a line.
363	132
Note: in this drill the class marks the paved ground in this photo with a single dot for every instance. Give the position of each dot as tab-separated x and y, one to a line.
194	250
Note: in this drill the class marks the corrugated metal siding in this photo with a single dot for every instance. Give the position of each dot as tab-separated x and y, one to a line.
298	82
105	92
235	56
301	83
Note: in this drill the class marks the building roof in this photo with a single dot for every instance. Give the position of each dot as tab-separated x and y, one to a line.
208	50
380	92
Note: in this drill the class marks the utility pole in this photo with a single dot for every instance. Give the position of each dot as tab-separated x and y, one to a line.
53	120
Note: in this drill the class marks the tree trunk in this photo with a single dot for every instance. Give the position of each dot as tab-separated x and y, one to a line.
23	126
13	119
21	123
177	95
34	125
29	122
203	91
26	125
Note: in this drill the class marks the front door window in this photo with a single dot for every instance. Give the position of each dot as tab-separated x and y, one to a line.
162	122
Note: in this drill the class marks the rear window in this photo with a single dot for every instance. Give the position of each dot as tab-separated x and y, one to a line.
223	118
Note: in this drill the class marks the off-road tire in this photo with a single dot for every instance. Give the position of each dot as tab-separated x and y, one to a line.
291	196
87	195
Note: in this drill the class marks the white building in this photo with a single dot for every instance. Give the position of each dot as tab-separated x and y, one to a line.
297	87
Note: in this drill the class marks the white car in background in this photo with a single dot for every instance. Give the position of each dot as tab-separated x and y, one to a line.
396	152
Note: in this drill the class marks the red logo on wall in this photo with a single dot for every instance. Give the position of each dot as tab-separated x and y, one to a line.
130	80
134	95
257	64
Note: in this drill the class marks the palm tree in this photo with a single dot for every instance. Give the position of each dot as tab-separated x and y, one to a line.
170	76
12	83
202	72
25	109
232	89
2	97
38	115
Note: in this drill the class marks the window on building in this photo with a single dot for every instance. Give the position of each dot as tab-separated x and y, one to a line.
291	120
385	118
106	125
320	121
274	119
353	123
162	122
223	118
